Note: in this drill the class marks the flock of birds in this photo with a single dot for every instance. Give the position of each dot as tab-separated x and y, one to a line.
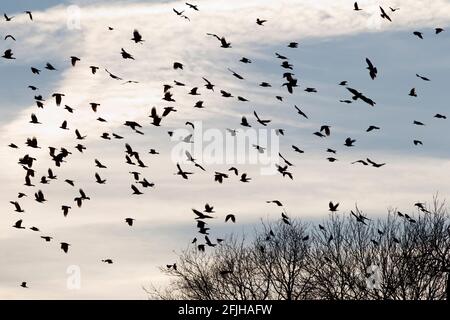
134	159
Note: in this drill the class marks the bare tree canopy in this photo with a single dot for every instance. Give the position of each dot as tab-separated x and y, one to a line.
345	257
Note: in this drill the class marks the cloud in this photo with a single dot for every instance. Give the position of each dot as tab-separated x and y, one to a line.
333	44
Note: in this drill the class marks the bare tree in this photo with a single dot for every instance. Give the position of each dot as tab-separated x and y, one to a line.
345	257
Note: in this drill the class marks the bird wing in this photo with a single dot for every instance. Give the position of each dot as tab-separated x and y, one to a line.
354	92
214	35
189	156
154	114
367	100
198	213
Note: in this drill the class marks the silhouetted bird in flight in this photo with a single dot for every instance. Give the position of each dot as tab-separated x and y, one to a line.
64	246
371	128
35	70
8	36
99	164
277	202
358	95
300	112
18	224
359	217
8	54
208	208
113	75
236	75
333	207
192	6
137	37
225	94
39	196
374	164
17	206
356	7
65	209
94	106
125	54
230	217
94	69
422	77
177	65
7	18
325	129
73	60
384	15
98	179
179	13
297	149
285	218
201	215
263	122
208	84
260	21
244	122
244	178
412	92
349	142
418	34
235	170
421	207
156	119
319	134
223	41
30	15
372	70
49	66
182	173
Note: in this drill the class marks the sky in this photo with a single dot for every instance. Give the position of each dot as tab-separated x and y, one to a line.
334	41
